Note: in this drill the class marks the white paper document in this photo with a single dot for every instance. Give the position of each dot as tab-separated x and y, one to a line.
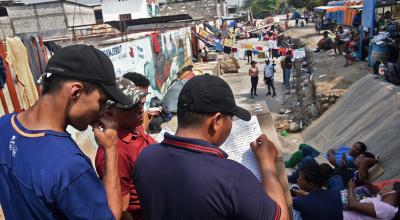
237	145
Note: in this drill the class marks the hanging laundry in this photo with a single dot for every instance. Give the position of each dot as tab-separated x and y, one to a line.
33	57
53	47
3	74
42	61
17	58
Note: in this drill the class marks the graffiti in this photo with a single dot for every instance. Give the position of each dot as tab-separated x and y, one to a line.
160	68
153	8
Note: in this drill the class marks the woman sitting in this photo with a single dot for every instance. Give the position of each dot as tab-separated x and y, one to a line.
383	206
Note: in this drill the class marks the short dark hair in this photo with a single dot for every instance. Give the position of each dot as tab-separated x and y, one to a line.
368	154
326	170
190	119
54	82
312	174
137	78
362	146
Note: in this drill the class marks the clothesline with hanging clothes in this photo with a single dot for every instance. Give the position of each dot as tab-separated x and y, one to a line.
24	62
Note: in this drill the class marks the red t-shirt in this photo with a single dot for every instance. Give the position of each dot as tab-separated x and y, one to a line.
130	144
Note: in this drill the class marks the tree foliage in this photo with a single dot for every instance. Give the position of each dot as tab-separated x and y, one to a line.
262	8
309	4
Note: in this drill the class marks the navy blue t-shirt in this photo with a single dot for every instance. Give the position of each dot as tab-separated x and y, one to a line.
183	178
323	204
44	175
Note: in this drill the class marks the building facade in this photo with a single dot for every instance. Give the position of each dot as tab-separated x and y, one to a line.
116	10
198	9
49	19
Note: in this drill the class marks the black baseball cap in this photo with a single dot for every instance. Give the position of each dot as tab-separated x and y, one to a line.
88	64
210	94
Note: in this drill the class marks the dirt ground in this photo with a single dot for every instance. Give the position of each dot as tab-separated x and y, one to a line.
329	74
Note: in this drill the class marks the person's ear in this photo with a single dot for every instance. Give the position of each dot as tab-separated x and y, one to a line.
75	90
214	123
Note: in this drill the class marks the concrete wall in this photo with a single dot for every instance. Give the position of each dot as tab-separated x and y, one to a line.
113	8
50	19
5	28
83	15
206	9
368	112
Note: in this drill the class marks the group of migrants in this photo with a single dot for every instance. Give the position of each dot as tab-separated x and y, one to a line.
45	175
342	187
347	43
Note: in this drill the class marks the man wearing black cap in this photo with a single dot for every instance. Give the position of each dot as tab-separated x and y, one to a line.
188	177
43	173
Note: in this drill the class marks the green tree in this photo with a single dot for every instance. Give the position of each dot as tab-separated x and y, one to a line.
261	8
309	4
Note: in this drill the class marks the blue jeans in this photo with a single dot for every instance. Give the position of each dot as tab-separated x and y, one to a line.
286	77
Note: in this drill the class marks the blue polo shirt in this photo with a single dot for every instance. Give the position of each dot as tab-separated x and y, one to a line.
44	175
184	178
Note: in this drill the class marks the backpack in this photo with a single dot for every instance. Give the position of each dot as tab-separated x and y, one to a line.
392	73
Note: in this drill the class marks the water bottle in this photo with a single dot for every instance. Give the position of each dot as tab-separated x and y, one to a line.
382	69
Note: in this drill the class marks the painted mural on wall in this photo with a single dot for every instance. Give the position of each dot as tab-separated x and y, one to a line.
160	66
153	8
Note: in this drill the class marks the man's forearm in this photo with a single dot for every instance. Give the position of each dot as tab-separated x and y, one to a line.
273	187
112	183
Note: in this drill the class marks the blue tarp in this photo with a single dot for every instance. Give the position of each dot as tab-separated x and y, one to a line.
296	15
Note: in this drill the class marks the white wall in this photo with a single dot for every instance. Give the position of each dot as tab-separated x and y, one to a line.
113	8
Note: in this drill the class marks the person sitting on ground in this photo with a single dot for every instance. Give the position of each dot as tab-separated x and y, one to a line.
360	171
131	141
312	202
344	156
304	151
365	42
352	52
332	180
269	77
341	39
326	43
187	176
384	205
43	173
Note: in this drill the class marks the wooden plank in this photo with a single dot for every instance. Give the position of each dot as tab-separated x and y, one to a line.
10	83
3	102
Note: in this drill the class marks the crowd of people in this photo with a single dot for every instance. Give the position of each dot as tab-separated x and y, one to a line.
347	43
341	188
45	175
